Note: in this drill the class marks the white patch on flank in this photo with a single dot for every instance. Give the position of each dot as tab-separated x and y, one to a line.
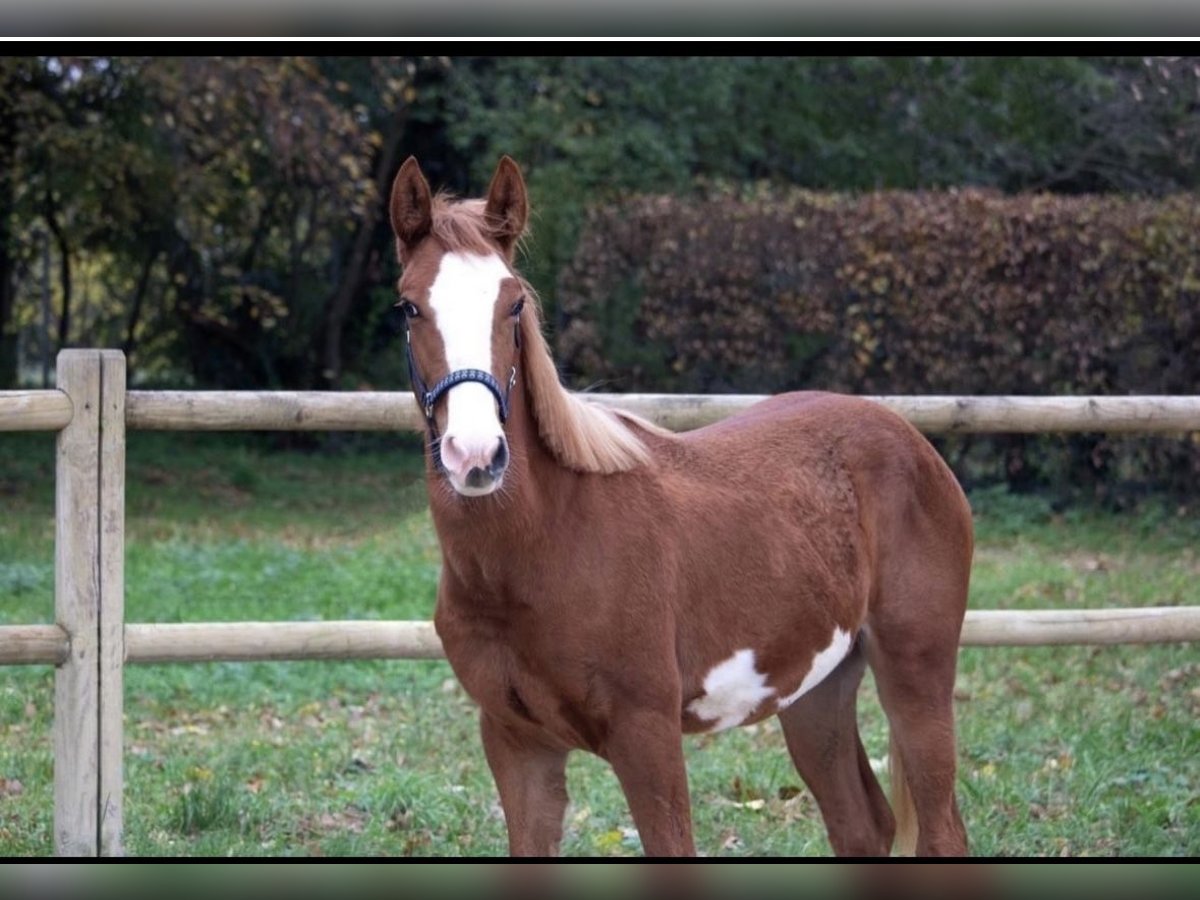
463	298
823	663
732	691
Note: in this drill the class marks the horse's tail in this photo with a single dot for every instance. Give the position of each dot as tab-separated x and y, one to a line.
902	803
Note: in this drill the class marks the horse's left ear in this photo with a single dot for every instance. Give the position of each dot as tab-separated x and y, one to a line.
507	207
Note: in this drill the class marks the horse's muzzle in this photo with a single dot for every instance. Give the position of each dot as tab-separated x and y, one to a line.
475	470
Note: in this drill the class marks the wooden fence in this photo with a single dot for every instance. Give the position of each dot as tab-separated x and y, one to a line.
91	643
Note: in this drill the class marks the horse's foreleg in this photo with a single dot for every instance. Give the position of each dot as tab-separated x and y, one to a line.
532	783
645	749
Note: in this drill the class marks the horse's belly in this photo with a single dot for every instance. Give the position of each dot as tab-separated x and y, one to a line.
749	685
771	610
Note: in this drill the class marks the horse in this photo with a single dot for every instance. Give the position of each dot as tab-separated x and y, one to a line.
608	585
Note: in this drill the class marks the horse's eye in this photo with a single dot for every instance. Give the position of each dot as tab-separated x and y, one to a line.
409	309
517	307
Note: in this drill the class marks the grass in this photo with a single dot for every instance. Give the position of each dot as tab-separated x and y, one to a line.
1063	751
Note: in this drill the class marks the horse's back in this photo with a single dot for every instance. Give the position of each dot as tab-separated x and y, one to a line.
783	430
804	416
838	452
916	522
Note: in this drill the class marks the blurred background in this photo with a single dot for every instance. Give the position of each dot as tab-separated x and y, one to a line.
959	225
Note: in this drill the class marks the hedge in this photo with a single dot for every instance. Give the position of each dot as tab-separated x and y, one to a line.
962	292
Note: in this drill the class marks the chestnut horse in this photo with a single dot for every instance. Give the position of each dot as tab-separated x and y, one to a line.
607	585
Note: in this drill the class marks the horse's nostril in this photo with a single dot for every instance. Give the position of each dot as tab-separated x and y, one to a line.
452	455
499	458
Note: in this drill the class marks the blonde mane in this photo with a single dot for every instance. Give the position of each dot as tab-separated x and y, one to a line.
581	435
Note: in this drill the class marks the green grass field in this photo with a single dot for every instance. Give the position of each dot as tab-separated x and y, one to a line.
1064	751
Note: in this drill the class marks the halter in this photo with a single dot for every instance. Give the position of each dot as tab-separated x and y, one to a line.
430	396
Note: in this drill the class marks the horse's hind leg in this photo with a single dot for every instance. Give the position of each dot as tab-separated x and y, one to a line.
917	692
912	647
821	729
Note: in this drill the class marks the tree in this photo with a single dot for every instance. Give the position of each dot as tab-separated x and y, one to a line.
221	219
591	128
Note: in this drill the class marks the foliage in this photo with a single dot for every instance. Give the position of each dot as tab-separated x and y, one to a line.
220	219
592	129
959	292
218	198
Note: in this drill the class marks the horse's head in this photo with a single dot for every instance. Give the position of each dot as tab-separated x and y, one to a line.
462	302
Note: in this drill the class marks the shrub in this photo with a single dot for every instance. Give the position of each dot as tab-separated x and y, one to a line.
958	292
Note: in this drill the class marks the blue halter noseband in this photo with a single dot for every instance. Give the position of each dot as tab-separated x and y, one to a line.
430	396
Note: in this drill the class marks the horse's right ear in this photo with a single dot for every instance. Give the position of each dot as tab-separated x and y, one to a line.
411	205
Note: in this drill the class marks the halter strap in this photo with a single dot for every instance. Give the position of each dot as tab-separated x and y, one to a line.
430	396
460	376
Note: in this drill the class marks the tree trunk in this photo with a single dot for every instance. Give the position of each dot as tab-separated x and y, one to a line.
8	337
8	146
64	268
135	312
338	306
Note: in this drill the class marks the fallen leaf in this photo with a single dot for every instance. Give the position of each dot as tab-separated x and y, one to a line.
350	819
753	805
11	787
609	840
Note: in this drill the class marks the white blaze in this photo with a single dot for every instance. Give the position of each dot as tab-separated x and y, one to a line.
732	690
823	663
463	298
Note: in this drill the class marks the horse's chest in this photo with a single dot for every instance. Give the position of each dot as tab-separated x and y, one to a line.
519	681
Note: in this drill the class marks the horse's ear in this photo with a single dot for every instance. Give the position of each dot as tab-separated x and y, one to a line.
507	207
411	205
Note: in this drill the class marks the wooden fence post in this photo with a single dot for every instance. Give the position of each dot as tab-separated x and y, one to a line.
76	609
112	602
89	605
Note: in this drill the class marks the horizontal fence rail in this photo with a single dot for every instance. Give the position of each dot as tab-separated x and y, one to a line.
91	643
50	410
34	410
378	411
250	641
952	415
31	644
271	411
360	640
